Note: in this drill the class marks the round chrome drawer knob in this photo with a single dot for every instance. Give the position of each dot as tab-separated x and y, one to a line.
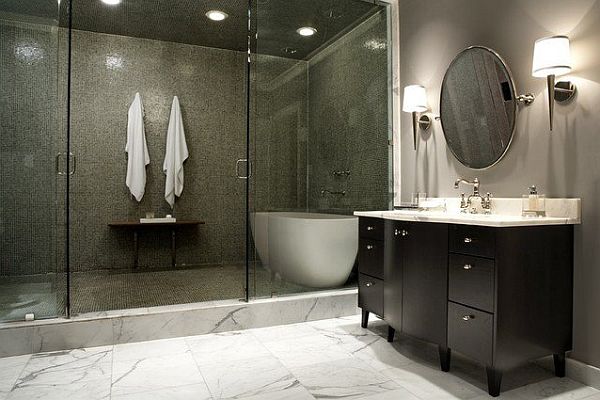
467	266
468	317
468	240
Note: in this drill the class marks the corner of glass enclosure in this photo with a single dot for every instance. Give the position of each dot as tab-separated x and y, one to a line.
321	139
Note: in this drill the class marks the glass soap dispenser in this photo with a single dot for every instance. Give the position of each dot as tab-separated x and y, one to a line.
534	204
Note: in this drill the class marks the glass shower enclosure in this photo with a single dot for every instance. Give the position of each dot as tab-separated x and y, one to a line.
287	113
33	158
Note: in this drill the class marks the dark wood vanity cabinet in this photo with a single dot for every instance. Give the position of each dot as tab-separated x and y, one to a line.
501	296
370	268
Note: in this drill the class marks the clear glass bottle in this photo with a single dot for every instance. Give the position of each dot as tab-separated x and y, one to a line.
533	204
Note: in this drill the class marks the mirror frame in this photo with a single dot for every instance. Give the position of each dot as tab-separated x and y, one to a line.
515	105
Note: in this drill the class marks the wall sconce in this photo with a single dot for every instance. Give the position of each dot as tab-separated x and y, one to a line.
415	101
551	58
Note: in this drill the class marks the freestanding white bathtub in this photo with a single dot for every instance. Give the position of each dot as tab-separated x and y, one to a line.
314	250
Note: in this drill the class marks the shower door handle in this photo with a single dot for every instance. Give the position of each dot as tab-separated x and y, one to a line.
248	168
72	164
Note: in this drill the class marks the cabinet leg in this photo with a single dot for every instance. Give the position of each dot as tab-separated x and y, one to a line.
445	356
391	333
559	365
494	378
365	319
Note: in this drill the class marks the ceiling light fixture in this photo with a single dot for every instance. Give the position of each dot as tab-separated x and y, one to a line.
306	31
111	2
216	15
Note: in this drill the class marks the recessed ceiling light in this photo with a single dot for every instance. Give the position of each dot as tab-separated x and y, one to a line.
111	2
216	15
306	31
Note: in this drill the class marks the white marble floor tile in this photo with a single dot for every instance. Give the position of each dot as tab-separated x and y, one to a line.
398	394
10	370
348	378
230	346
65	367
427	382
294	393
380	354
154	373
156	348
188	392
344	327
248	378
307	350
75	390
556	389
282	332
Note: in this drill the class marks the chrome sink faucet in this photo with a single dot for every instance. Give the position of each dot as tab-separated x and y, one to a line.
467	203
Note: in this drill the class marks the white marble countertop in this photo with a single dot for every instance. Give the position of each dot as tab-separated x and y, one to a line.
505	213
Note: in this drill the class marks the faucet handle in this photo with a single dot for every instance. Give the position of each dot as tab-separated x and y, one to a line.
463	201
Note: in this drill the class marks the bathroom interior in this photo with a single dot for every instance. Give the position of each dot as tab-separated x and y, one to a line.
339	198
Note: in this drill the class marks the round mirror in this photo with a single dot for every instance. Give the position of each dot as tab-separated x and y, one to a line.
478	107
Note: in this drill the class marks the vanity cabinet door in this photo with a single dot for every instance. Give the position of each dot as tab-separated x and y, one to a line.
393	286
425	281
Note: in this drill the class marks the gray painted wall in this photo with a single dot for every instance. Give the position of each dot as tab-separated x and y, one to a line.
565	163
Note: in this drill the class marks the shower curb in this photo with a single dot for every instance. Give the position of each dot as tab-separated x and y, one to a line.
138	325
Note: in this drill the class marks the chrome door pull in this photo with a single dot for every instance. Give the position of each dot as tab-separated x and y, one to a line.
404	233
369	284
468	317
370	228
248	170
468	240
467	266
370	247
72	164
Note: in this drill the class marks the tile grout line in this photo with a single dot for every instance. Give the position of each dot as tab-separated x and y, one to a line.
187	344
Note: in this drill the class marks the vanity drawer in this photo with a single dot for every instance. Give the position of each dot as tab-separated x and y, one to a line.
370	228
471	281
470	332
472	240
370	257
370	294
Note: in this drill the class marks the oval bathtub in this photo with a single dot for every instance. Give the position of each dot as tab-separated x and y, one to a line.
315	250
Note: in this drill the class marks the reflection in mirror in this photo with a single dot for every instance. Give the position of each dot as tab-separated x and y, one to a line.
478	107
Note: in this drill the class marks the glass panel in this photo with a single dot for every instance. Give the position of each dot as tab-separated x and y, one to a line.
159	49
320	124
32	132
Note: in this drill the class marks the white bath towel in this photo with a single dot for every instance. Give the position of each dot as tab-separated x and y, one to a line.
137	149
175	155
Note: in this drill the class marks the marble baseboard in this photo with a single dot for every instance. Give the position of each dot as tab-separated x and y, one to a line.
131	326
577	371
583	373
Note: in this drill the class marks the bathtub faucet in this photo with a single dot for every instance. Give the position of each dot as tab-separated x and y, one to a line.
340	193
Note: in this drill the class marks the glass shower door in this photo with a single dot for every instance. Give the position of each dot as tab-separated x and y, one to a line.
33	50
320	125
